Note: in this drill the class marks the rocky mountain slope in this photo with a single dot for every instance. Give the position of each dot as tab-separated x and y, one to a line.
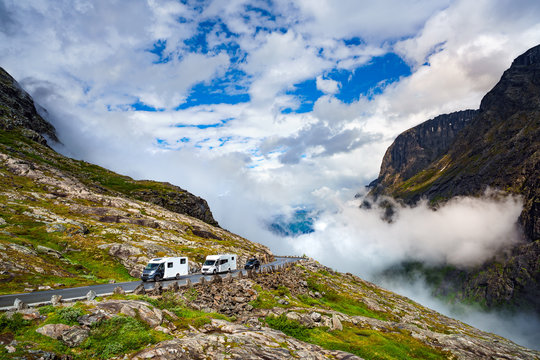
65	222
304	311
496	147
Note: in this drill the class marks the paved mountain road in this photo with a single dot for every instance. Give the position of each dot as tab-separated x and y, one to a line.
78	293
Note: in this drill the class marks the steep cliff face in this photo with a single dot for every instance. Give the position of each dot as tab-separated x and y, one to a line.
417	148
498	148
18	112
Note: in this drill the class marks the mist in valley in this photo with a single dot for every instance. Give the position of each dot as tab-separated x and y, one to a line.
463	233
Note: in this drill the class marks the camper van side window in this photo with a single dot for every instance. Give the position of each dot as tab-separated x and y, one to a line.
232	258
224	261
182	261
170	265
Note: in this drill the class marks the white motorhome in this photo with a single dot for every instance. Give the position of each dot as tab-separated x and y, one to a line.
165	268
219	263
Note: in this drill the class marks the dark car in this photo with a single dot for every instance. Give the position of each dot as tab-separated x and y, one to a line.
252	264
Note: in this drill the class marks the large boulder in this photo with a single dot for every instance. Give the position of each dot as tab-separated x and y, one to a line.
74	336
54	331
134	308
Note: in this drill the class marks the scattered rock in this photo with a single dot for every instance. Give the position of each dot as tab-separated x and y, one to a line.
56	227
315	316
53	330
158	289
10	349
119	291
45	250
19	305
22	249
74	336
2	221
283	302
173	287
252	343
162	329
336	323
139	290
90	319
56	300
91	295
147	313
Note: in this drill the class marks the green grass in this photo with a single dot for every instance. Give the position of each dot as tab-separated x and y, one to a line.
368	344
331	299
116	336
186	316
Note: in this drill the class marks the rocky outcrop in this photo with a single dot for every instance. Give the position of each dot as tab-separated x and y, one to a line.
178	200
17	109
498	148
417	148
222	339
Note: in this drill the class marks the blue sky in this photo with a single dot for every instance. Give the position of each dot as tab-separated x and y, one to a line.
275	103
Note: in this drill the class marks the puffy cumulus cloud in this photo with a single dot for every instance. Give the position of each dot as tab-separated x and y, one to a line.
464	232
315	141
327	86
98	53
460	53
363	18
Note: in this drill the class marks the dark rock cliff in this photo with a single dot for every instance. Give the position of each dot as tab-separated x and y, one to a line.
18	112
416	148
17	109
498	148
178	200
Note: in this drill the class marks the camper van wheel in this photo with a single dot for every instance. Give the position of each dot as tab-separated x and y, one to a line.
157	278
177	276
215	271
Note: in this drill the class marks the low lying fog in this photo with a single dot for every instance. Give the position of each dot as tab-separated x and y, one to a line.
464	232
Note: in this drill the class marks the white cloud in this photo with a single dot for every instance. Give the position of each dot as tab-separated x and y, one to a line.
327	86
464	232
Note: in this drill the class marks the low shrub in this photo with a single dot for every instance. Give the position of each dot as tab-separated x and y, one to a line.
15	324
70	314
116	336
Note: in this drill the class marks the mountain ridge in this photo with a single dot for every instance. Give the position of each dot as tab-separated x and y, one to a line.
498	149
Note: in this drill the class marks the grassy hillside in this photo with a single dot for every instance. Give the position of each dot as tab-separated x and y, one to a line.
65	222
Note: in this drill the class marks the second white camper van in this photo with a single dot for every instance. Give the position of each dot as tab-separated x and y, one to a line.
219	263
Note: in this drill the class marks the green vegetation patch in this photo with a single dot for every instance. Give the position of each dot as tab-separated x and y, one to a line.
368	344
331	299
116	336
